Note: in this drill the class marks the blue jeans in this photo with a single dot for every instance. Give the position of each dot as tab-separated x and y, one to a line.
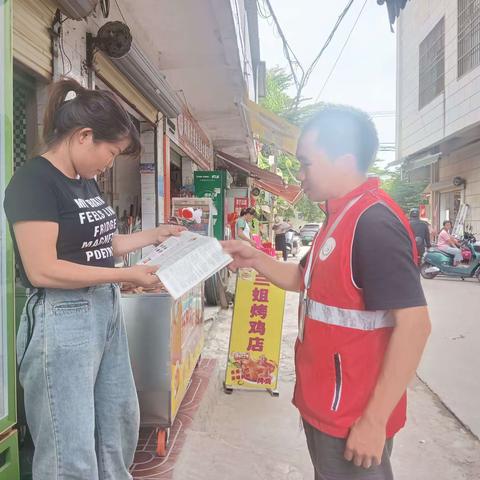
456	252
80	399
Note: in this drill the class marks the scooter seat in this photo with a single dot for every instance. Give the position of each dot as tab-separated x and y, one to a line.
435	249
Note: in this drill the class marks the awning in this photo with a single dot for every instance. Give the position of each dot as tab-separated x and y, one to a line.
269	181
272	129
413	164
422	162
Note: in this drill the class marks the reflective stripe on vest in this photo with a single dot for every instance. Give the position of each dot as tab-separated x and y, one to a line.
342	317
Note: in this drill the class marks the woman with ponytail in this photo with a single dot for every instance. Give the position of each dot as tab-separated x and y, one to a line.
80	399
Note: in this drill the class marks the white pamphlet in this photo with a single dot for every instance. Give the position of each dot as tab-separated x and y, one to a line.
186	260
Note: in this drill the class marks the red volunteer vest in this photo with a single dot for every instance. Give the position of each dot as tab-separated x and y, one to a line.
339	360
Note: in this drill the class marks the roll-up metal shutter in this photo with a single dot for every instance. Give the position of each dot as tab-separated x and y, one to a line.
105	69
32	43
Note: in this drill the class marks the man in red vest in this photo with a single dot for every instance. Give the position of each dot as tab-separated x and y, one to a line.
363	319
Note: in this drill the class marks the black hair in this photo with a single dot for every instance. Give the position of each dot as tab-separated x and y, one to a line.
447	221
99	110
343	130
246	211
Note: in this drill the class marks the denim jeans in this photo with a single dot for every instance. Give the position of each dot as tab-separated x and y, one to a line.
456	252
80	398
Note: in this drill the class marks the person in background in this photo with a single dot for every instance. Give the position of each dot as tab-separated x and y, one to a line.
281	228
420	231
449	244
80	398
363	319
242	227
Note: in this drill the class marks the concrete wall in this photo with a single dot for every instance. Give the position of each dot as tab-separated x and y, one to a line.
465	163
458	107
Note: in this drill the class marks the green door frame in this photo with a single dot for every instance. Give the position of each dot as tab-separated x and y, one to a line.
6	165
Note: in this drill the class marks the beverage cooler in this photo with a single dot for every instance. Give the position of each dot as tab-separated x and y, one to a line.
9	469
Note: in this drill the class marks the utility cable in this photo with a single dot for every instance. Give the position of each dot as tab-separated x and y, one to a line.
288	51
341	51
307	74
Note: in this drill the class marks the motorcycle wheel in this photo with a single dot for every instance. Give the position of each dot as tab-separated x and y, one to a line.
427	275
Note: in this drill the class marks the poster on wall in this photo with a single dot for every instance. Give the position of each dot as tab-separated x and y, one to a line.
196	214
256	334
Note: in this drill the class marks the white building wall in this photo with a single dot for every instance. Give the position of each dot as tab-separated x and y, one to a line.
458	107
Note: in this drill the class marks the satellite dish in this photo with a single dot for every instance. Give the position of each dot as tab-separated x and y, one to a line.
114	38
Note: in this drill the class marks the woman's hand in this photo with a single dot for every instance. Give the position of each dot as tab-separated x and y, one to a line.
162	232
143	275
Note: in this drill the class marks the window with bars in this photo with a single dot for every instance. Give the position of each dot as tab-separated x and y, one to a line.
432	65
468	35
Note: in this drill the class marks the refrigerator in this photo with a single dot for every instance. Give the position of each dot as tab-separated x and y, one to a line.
213	184
9	468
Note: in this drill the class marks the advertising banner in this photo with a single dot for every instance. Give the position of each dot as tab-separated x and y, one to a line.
256	334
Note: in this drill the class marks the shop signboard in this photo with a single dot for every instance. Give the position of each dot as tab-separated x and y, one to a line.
194	141
212	184
256	334
239	204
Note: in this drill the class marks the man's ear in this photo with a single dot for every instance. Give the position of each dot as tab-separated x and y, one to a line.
347	162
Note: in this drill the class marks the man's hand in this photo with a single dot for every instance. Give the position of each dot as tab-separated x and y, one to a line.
365	443
244	255
162	232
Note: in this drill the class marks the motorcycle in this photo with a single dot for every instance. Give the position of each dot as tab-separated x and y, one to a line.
292	239
436	262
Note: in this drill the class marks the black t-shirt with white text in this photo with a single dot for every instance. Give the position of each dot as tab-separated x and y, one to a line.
86	224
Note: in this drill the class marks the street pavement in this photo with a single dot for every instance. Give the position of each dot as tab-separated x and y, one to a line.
451	363
253	435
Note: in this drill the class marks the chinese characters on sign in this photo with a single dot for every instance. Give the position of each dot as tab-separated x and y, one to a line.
255	337
194	141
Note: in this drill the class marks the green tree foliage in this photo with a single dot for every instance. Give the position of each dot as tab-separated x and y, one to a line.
407	194
278	101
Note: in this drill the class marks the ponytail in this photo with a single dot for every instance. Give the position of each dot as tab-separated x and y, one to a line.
99	110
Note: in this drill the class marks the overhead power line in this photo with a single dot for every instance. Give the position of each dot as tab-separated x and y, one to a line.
320	53
287	49
341	51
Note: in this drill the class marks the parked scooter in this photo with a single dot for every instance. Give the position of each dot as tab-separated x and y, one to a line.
436	262
292	239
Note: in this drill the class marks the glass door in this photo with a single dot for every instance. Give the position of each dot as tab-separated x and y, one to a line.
7	357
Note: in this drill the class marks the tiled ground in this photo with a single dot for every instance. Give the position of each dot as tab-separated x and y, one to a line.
147	464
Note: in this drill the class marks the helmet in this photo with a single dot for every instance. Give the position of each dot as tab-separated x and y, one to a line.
414	213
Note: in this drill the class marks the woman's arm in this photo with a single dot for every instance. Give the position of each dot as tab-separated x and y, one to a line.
123	244
243	237
37	242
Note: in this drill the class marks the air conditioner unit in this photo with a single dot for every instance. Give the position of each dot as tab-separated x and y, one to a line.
77	9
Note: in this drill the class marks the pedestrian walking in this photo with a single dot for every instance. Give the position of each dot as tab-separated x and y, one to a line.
80	398
420	231
363	320
281	228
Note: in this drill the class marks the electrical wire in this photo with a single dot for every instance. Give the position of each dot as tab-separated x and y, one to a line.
121	13
341	51
62	53
310	69
287	49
